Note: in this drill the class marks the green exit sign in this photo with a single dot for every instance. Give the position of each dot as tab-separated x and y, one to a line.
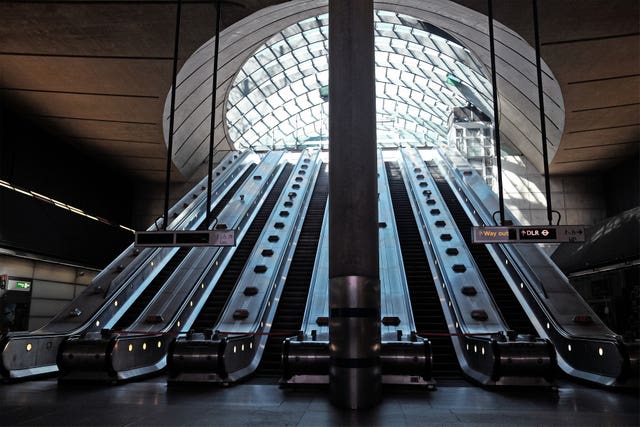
19	285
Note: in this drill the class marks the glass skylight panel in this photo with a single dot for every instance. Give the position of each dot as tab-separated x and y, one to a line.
270	121
381	57
321	64
234	95
318	48
260	128
280	48
383	44
287	60
268	89
384	29
386	16
286	93
302	54
411	62
404	92
298	88
403	33
314	35
443	46
264	56
286	127
296	41
244	105
291	108
251	65
280	114
291	31
413	100
304	102
309	24
398	44
250	134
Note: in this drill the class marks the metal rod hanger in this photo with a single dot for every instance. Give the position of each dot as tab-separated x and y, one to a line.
543	127
496	121
216	51
176	47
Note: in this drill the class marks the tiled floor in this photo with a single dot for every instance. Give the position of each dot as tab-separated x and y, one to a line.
152	403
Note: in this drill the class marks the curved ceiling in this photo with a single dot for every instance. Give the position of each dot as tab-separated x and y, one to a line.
415	99
95	73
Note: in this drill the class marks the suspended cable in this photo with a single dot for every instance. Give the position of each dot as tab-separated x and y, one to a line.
216	51
496	121
543	128
176	46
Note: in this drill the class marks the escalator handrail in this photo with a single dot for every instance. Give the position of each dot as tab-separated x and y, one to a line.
276	279
186	312
449	278
394	257
543	315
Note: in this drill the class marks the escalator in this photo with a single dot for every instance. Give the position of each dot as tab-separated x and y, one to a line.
156	284
427	312
292	302
511	310
211	310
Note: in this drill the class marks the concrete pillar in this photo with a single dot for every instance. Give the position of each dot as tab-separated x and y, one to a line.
354	289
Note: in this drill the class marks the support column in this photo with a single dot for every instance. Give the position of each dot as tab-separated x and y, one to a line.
354	290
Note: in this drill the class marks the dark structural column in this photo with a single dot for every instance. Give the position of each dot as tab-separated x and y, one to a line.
354	286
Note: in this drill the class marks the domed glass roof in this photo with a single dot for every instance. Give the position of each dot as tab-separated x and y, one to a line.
279	98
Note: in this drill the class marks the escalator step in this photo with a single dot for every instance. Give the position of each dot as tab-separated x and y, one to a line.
290	311
156	284
502	294
425	302
208	316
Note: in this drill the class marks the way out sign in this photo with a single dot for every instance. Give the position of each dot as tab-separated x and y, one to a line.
528	234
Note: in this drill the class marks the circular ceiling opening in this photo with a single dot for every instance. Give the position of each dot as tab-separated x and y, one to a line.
279	98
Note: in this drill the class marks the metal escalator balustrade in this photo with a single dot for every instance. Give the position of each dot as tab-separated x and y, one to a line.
502	294
405	357
156	284
33	354
586	349
487	352
430	321
208	316
188	316
172	310
242	328
400	341
193	206
291	307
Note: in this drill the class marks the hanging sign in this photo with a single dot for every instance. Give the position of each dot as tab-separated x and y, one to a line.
186	238
529	234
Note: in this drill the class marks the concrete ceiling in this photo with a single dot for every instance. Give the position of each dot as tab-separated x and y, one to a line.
96	72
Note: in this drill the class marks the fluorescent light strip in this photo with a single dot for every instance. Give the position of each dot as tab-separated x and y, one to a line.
61	205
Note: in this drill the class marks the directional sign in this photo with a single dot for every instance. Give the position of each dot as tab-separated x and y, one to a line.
185	238
493	234
529	234
537	233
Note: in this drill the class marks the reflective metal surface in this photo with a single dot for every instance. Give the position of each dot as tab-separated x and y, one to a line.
587	350
185	290
474	320
257	291
114	289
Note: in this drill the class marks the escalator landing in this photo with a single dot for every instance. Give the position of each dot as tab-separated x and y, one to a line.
151	402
